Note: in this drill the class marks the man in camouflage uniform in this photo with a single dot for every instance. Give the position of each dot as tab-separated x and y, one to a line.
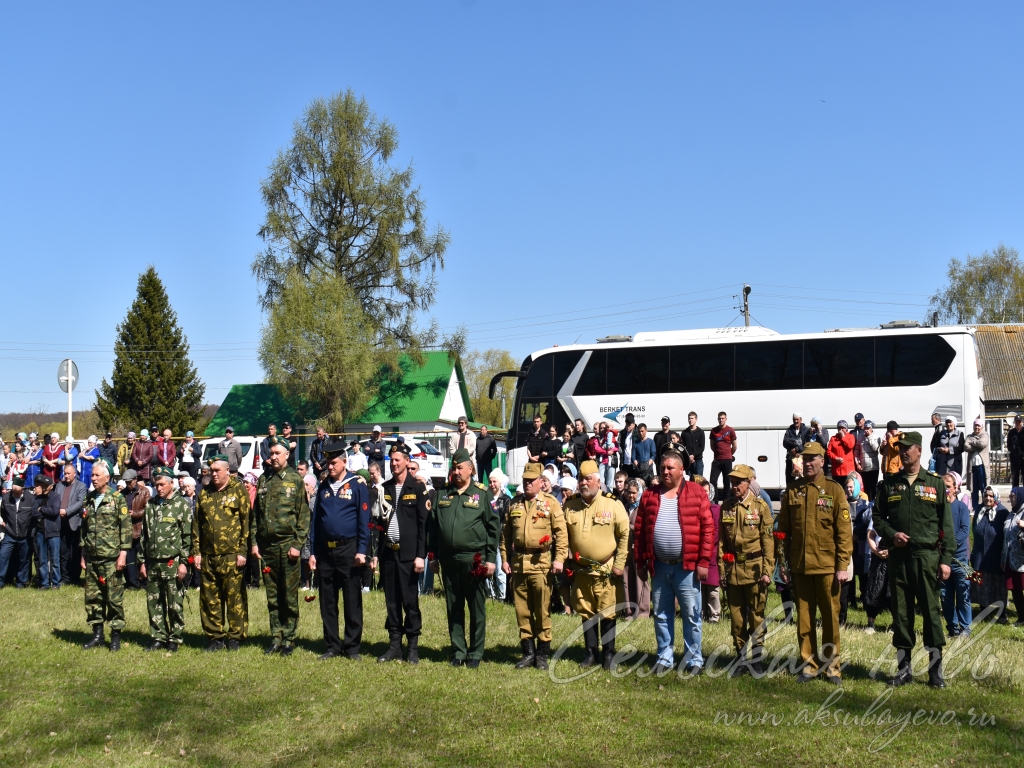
220	540
166	540
280	519
746	560
534	518
106	539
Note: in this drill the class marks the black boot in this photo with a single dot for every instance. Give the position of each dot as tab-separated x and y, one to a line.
413	654
157	645
590	640
543	654
935	678
115	640
394	651
608	644
529	654
97	637
904	672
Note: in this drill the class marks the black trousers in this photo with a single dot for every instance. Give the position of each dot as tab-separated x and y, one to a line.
70	554
401	595
1014	471
721	467
132	577
336	570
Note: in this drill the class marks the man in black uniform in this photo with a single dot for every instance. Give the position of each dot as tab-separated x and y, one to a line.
339	539
535	440
402	554
1014	447
663	439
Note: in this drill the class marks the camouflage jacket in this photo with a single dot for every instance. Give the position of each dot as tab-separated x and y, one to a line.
281	512
167	529
106	526
220	525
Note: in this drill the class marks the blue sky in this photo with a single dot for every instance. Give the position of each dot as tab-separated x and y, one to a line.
602	167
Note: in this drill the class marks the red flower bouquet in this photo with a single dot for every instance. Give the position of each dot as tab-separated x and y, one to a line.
544	540
479	567
729	557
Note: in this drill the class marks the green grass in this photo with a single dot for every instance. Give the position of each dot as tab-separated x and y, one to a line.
60	705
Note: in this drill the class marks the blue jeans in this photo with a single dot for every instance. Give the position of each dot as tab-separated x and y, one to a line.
49	560
669	582
956	599
495	585
697	468
978	483
608	475
8	546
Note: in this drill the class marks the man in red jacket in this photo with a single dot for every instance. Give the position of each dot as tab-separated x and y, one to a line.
674	536
841	453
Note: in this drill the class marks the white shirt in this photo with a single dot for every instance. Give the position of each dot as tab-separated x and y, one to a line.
357	461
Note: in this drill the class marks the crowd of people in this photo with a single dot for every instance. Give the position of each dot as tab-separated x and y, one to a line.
580	535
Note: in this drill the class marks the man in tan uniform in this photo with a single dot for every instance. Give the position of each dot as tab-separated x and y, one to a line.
746	559
598	529
818	544
534	519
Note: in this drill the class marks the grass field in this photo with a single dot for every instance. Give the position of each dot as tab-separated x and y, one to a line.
60	705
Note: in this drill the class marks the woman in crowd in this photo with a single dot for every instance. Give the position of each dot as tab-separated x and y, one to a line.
956	590
987	551
498	482
949	454
1013	553
565	458
876	597
309	482
976	444
869	459
551	449
860	516
711	588
636	587
889	455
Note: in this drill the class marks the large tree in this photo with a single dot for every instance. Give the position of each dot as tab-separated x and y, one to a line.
335	205
479	368
982	289
153	381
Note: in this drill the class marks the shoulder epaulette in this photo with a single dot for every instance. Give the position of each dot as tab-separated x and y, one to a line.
610	496
481	486
933	474
360	479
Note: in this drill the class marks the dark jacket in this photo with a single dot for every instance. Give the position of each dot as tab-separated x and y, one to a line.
579	448
535	442
987	548
795	438
1014	444
143	453
316	455
76	502
109	452
550	451
47	515
694	441
18	522
486	450
413	510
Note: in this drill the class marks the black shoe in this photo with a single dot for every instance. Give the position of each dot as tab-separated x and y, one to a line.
272	649
287	650
694	671
458	662
115	640
589	659
543	654
660	669
215	645
833	679
757	670
328	655
935	676
590	640
393	653
353	656
472	663
97	637
803	677
412	656
739	668
172	647
904	672
608	658
529	654
157	645
234	645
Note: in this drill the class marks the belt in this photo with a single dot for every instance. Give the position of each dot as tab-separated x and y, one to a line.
742	557
395	546
670	561
531	550
333	544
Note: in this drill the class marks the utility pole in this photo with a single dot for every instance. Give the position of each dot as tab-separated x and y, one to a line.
746	305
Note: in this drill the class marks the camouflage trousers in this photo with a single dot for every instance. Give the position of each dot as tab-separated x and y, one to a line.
104	593
282	585
165	599
223	602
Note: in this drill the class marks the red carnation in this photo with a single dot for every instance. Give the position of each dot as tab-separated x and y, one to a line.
578	558
431	556
479	567
729	557
170	562
780	535
191	560
568	573
544	539
310	598
102	580
266	569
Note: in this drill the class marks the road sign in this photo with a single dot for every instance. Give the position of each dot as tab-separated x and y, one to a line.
67	371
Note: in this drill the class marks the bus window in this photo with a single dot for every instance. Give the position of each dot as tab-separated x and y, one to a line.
911	361
702	368
770	365
838	363
530	408
637	371
565	362
592	382
538	380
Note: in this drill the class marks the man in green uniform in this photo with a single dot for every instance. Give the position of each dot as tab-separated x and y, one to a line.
913	517
166	540
746	560
462	542
534	518
220	541
106	540
598	528
280	520
818	545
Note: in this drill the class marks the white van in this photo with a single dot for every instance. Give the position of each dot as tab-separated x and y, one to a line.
250	452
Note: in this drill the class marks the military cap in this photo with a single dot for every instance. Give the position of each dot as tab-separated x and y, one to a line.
218	457
460	456
532	471
334	446
813	449
19	480
742	472
399	448
588	468
42	481
910	438
163	472
278	440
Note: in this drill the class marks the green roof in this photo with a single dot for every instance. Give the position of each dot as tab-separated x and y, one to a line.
249	408
419	395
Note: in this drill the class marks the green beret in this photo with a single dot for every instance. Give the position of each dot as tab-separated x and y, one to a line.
364	473
18	480
272	441
910	438
164	472
106	463
460	456
217	457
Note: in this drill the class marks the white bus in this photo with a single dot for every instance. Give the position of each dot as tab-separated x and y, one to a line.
758	377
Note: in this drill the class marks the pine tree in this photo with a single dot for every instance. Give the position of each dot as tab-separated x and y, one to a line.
153	381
